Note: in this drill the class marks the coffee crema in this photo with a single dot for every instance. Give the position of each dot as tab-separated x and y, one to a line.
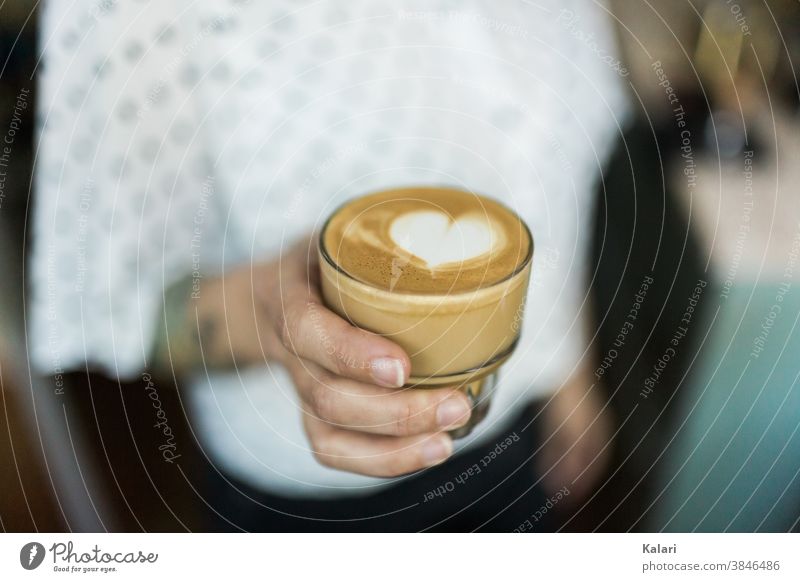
422	240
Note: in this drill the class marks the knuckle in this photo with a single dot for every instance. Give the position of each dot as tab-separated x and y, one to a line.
285	331
292	321
320	451
405	418
327	378
340	365
307	385
322	399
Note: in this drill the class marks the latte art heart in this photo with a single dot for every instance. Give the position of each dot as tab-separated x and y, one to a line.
436	239
426	240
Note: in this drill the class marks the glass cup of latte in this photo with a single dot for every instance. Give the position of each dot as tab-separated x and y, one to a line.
440	271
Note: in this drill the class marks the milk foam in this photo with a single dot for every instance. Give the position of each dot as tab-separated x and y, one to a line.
436	239
426	240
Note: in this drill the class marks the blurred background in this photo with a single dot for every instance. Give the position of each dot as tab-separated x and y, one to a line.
714	446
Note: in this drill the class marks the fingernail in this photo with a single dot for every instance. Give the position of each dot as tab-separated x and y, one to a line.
388	372
436	450
453	412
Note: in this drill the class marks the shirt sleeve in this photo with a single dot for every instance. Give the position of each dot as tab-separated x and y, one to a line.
121	181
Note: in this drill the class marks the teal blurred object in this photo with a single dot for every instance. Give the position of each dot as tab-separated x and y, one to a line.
735	462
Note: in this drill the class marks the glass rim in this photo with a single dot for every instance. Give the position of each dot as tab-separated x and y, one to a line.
339	269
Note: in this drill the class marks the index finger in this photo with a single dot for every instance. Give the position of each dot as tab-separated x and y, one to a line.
311	330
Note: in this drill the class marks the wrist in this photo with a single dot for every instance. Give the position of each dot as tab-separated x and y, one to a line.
175	348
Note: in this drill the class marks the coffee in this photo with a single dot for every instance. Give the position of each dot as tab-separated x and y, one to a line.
440	271
427	241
